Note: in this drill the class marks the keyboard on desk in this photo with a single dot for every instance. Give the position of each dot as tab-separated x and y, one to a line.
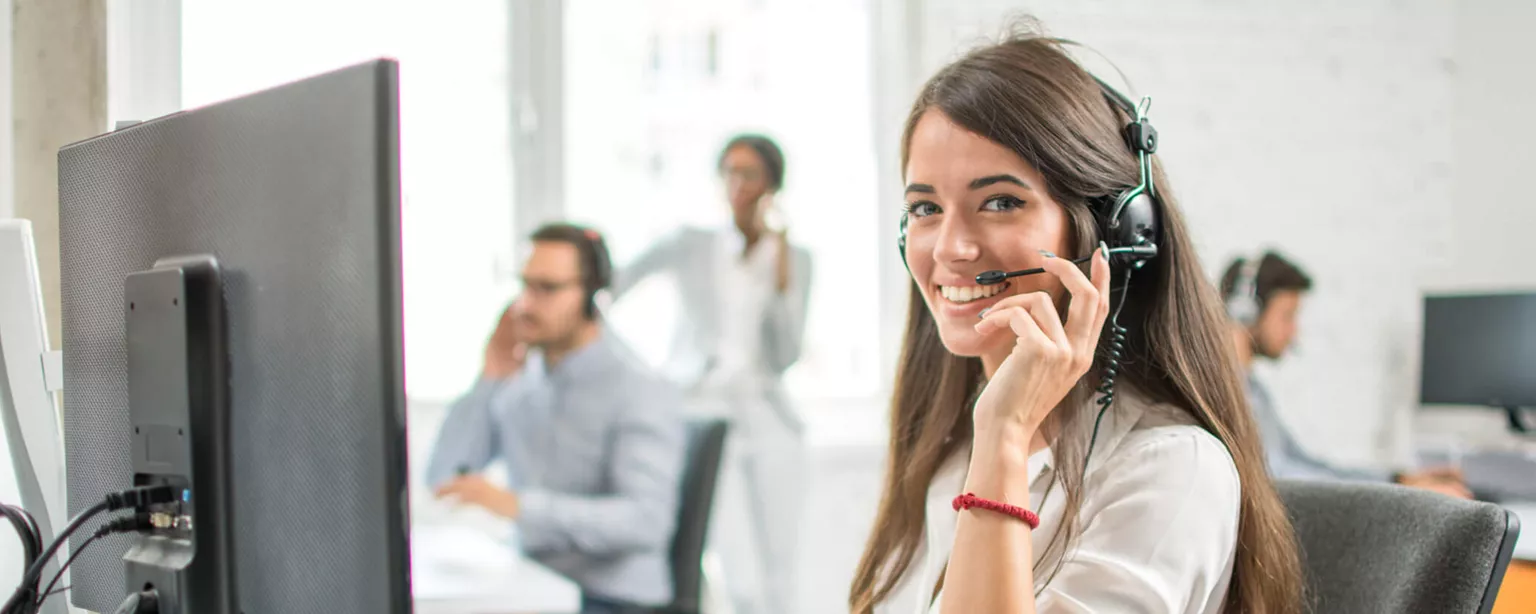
1502	476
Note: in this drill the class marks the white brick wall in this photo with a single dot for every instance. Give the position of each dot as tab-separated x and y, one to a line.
1495	146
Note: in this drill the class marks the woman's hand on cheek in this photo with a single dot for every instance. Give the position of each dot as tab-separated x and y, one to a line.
1048	357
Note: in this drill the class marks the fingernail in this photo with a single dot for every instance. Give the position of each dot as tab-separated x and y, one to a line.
1047	254
1104	250
983	313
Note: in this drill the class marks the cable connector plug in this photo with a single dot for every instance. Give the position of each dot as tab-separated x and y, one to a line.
142	602
142	497
137	523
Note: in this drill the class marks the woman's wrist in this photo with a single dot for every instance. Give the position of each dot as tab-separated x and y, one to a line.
1000	452
1002	434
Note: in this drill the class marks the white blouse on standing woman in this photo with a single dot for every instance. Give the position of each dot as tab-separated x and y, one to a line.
735	326
1159	521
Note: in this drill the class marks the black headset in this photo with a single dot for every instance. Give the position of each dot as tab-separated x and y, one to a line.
597	272
1128	222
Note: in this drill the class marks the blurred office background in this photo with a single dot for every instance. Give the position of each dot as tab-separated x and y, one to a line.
1381	144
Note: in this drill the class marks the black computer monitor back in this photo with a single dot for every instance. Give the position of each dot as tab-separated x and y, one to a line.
295	191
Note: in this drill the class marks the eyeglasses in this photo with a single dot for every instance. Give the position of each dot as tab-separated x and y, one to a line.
545	287
748	175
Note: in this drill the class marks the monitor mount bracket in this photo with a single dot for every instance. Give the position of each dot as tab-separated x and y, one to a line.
178	390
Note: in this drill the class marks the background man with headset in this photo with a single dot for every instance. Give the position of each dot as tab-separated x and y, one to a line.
1263	296
592	439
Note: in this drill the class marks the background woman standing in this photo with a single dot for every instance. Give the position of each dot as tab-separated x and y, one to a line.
743	292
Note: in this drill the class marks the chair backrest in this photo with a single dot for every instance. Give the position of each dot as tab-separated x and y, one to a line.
1384	548
706	447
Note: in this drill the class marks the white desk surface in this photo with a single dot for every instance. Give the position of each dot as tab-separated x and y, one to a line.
465	570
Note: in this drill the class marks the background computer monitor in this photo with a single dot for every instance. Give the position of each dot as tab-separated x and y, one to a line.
1480	350
295	190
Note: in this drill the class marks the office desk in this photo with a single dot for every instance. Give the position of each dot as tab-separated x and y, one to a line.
1518	592
460	570
459	563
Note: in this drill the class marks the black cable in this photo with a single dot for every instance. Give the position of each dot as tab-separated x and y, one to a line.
136	522
26	529
34	528
137	498
25	592
56	577
1106	388
142	602
129	605
31	540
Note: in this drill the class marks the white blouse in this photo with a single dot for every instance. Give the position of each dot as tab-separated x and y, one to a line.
1159	521
744	285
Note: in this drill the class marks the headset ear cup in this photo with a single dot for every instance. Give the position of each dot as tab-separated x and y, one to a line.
1244	311
1243	304
1237	309
602	270
1137	224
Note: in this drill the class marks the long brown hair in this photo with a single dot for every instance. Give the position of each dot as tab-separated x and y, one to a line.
1028	94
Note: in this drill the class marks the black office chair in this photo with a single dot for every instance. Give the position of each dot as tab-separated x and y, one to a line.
1384	548
706	447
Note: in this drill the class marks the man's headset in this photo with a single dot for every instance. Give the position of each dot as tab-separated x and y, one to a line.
1243	304
1128	223
597	273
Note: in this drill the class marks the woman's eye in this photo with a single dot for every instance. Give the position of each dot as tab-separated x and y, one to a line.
1002	203
922	209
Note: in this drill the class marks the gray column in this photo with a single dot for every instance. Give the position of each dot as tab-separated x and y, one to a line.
538	113
58	96
7	155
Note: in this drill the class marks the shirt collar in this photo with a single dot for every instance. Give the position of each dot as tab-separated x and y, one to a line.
731	241
732	244
1252	382
1118	422
1040	465
580	362
1121	417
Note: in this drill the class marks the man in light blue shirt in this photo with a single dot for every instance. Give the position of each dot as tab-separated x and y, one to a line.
592	439
1263	296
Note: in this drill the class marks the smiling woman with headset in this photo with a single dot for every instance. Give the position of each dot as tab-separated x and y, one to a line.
1062	440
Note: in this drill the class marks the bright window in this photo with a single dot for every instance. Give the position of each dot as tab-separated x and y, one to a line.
456	153
654	88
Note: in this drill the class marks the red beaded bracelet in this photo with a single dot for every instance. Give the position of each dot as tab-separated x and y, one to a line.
969	500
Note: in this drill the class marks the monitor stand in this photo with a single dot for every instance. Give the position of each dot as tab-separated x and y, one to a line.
179	408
